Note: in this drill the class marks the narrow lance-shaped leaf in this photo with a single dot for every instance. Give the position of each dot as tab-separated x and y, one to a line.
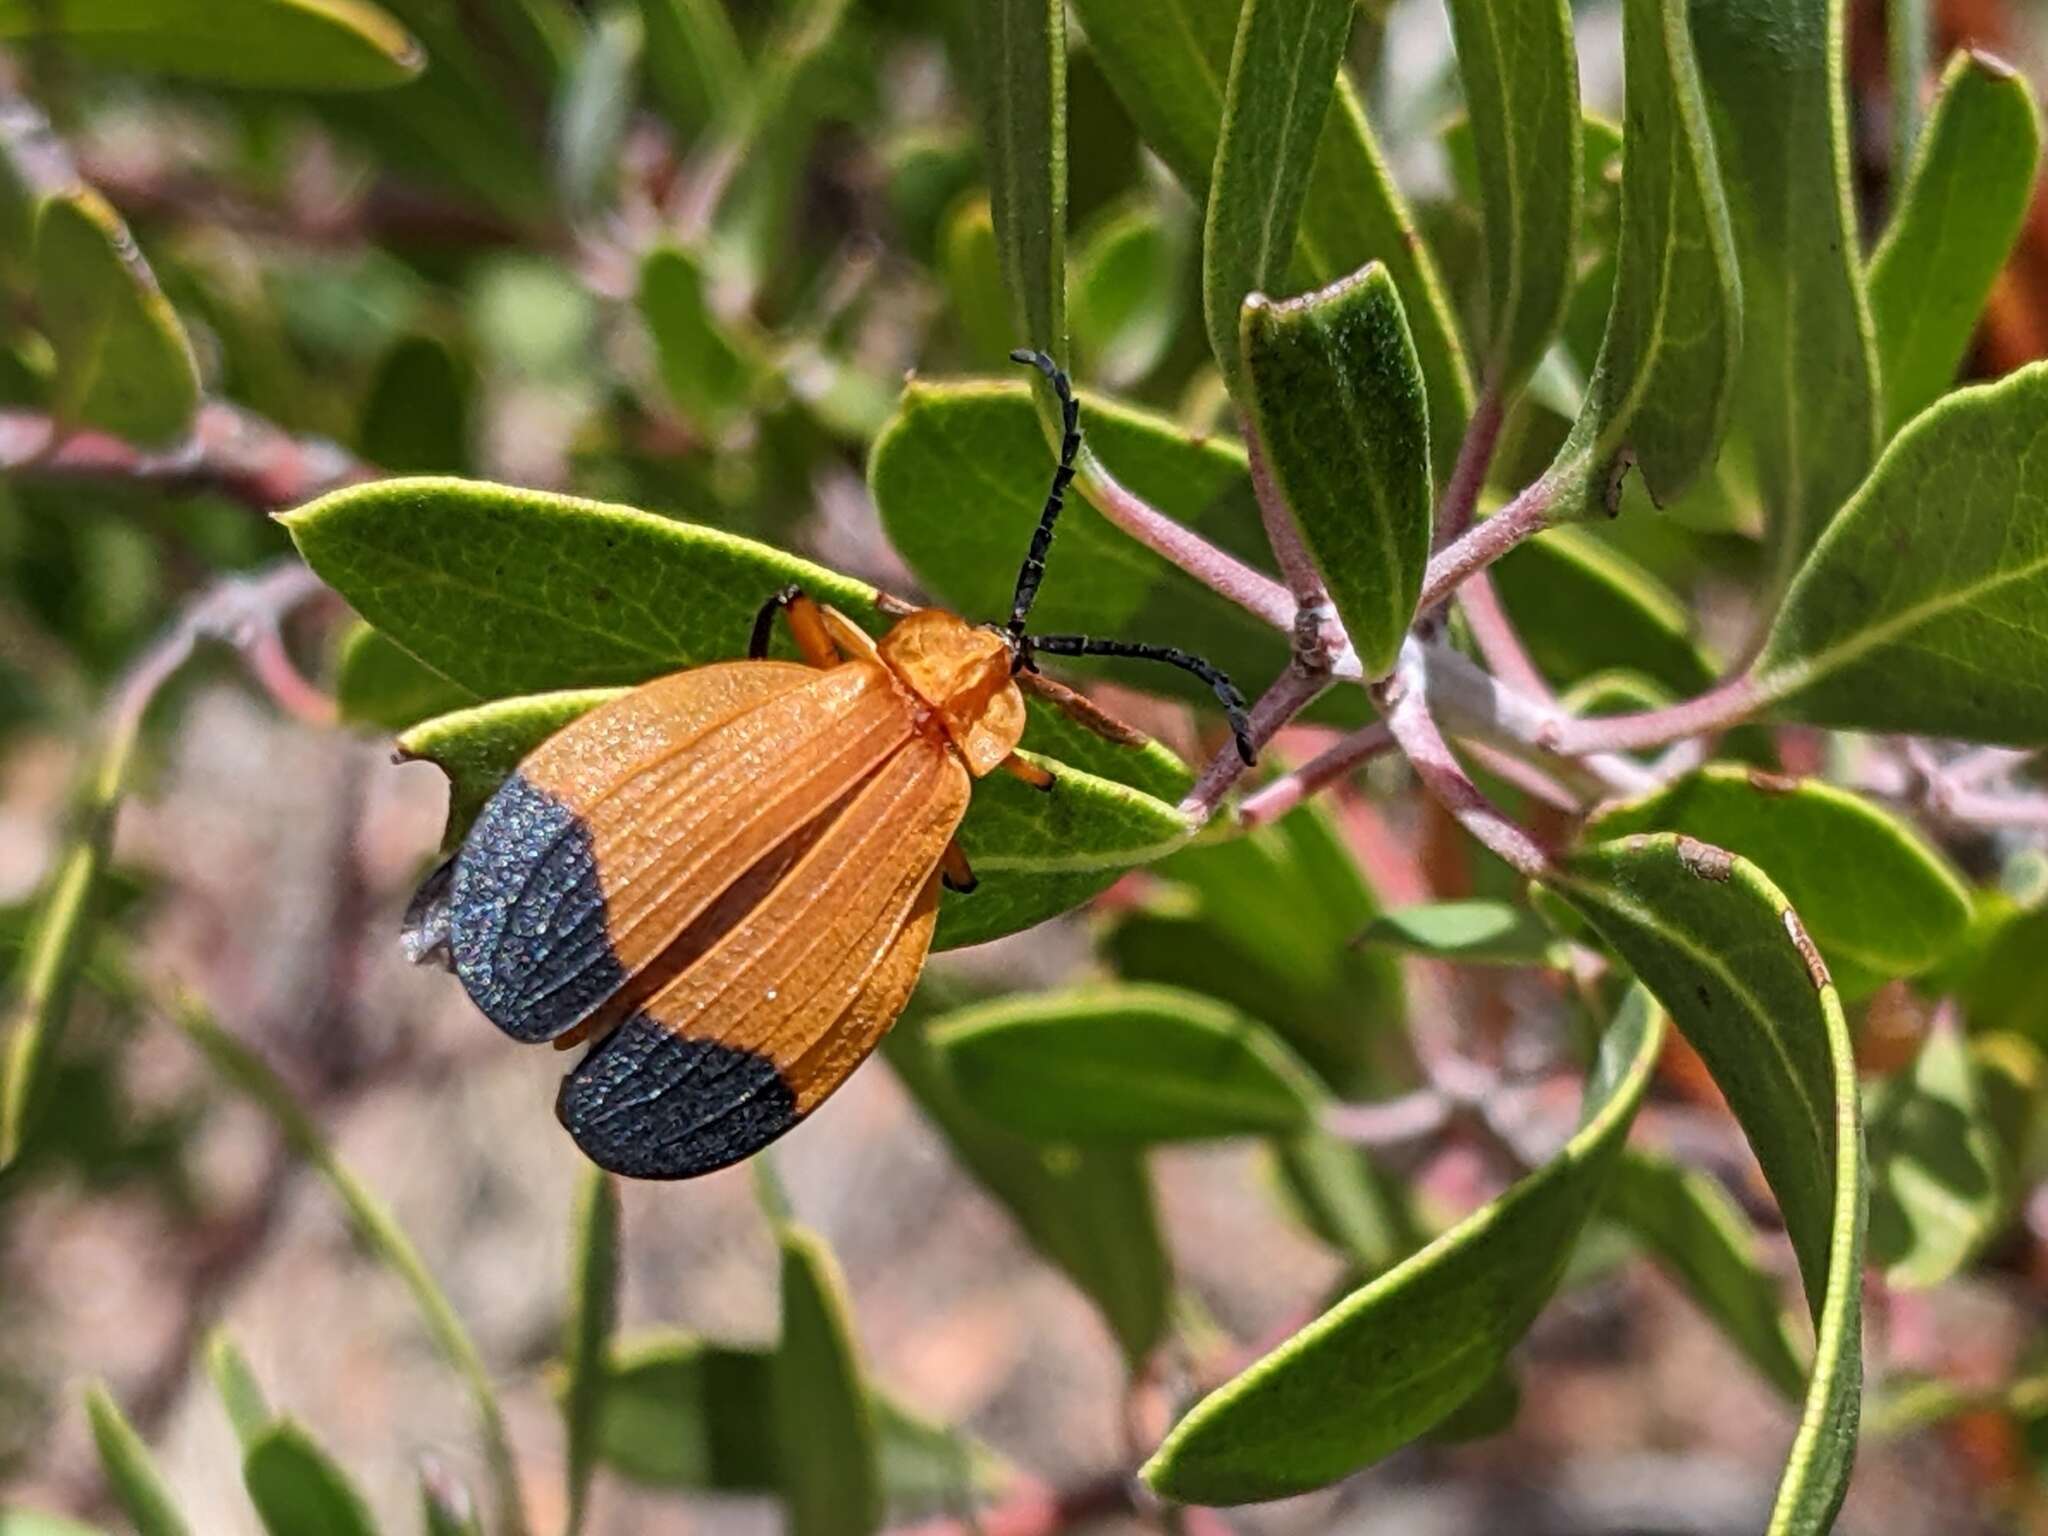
1468	932
241	1395
1875	897
1396	1357
701	363
1124	1064
825	1438
1283	69
1521	77
123	362
1087	1209
1662	385
1722	949
1935	1195
58	940
684	1412
1024	122
1931	626
298	1490
588	121
1169	62
1807	401
1697	1232
1335	394
694	62
288	45
1954	224
130	1470
382	1236
593	1307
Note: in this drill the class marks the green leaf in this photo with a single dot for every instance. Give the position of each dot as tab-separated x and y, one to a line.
694	63
1582	606
1955	222
1722	949
589	118
1344	1198
973	274
59	938
378	683
1124	1064
1089	1210
1807	392
1023	63
445	1509
1688	1222
1663	383
1127	291
593	1311
380	1235
1265	922
286	45
977	445
1902	622
416	418
1332	385
1036	853
701	366
298	1490
479	747
1169	60
825	1438
1936	1183
1874	896
1283	71
1521	80
123	363
682	1412
1467	932
1395	1358
240	1393
130	1470
31	1522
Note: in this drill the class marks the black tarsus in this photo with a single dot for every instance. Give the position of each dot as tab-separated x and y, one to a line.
764	621
1033	569
1173	656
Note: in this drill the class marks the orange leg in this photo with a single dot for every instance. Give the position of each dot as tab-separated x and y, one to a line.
1030	773
955	870
806	627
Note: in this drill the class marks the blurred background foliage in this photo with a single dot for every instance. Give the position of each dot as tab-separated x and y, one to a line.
683	254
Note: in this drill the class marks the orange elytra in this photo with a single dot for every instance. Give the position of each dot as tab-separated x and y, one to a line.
728	877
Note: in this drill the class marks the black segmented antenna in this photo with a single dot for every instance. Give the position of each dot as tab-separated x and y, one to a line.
1033	570
1173	656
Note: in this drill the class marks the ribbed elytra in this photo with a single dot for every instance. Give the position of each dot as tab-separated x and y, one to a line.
728	877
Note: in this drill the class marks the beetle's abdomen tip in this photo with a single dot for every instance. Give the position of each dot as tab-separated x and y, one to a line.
527	924
649	1103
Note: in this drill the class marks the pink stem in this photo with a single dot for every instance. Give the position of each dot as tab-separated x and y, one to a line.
1485	542
1494	633
1222	573
1276	799
1468	475
1716	710
1292	692
1404	702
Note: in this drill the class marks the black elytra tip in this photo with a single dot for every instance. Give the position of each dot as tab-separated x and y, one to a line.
650	1104
526	919
965	887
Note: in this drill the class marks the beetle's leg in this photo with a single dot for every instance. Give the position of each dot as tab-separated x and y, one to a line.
1081	709
955	870
1017	768
806	627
